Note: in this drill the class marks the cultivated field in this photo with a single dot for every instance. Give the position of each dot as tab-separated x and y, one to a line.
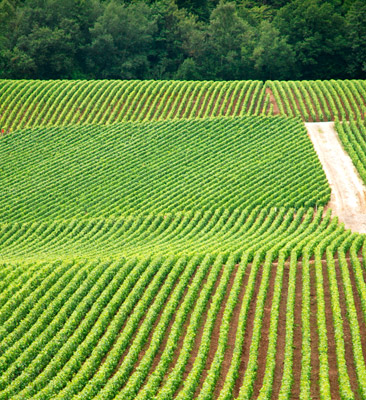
25	103
175	240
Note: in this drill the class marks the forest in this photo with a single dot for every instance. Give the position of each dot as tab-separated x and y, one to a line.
183	39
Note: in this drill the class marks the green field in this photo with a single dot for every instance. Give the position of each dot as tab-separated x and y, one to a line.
171	239
26	103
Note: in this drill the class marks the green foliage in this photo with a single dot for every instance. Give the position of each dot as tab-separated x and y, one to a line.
272	55
27	104
353	137
356	31
48	103
318	37
158	167
133	254
184	39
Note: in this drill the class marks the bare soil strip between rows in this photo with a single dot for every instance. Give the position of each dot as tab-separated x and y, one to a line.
248	334
263	346
346	327
314	338
232	335
297	341
272	100
332	356
216	331
198	338
281	335
358	305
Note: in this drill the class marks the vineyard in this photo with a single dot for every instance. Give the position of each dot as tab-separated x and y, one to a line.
174	240
27	104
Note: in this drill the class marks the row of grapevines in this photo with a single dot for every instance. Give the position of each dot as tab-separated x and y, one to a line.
81	338
47	103
320	100
58	103
99	171
353	137
191	232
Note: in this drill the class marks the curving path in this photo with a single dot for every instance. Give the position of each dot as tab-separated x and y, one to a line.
348	198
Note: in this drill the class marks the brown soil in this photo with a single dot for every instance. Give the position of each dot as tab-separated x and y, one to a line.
358	304
321	106
247	94
216	332
221	98
186	102
205	104
228	101
232	335
251	99
201	102
198	338
344	108
355	107
193	103
248	334
297	340
281	335
332	357
314	389
276	110
263	346
170	103
119	112
346	328
235	102
329	107
260	108
144	108
157	105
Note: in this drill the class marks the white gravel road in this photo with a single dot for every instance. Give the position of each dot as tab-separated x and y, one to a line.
348	198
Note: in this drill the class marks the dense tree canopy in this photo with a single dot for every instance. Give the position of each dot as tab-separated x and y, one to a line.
183	39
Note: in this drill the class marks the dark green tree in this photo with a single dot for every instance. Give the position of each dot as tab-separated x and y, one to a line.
167	52
121	41
356	34
273	57
317	34
48	37
229	44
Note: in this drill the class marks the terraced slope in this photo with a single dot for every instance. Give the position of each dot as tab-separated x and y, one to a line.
98	171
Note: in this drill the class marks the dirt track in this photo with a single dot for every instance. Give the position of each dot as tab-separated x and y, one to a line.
348	198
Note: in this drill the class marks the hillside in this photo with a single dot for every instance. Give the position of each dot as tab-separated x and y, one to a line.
173	240
27	103
98	171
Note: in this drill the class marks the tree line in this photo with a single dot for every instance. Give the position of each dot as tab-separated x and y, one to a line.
182	39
